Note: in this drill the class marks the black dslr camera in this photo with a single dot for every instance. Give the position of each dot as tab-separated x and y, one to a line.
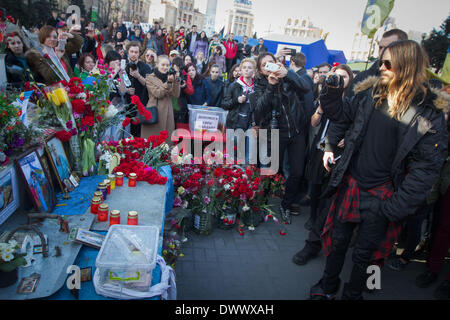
171	72
333	80
132	66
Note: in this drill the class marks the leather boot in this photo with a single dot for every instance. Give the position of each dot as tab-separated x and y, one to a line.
317	293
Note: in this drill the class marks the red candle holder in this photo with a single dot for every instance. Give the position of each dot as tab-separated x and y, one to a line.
132	180
108	185
95	203
132	218
114	217
103	212
119	179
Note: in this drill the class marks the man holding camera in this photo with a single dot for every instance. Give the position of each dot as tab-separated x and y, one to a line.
394	149
136	71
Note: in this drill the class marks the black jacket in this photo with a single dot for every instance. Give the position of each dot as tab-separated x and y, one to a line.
422	144
241	47
140	90
373	71
16	73
283	98
230	103
215	92
308	98
189	39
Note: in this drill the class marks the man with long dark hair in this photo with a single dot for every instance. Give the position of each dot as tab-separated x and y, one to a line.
394	149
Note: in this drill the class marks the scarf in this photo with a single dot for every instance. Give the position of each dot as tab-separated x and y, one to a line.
160	76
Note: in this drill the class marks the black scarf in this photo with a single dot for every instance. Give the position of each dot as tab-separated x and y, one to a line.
160	76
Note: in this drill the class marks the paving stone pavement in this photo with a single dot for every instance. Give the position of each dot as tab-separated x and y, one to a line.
258	266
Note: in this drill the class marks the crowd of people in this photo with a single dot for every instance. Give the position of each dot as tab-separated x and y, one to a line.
367	152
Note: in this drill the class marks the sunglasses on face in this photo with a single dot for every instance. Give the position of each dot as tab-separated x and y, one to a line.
387	64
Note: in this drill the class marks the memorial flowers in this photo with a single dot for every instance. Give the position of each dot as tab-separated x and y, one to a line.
10	259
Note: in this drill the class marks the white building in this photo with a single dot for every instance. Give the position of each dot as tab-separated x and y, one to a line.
210	18
301	28
176	13
239	19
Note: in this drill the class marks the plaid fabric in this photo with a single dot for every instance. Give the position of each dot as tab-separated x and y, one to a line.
348	211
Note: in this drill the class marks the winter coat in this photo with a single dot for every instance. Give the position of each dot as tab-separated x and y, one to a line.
230	102
220	61
16	73
189	39
124	31
422	143
241	47
231	49
215	90
151	44
201	46
164	93
201	94
283	98
42	71
308	98
160	46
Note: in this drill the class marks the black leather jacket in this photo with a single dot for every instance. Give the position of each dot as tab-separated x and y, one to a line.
282	97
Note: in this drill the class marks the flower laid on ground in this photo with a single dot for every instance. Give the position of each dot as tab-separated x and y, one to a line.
10	259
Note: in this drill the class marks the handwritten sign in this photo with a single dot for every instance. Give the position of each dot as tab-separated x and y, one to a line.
206	121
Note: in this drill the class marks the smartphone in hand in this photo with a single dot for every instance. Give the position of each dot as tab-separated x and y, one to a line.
272	67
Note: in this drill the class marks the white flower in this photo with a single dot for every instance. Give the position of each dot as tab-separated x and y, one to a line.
7	256
184	204
251	228
165	147
81	95
187	158
227	187
111	112
245	208
220	181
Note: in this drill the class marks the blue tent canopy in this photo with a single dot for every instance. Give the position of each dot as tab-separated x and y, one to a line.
315	52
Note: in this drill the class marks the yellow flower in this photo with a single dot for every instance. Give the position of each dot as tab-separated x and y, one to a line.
180	190
164	252
181	255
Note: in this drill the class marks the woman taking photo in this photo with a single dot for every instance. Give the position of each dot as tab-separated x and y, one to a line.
161	89
201	94
17	70
277	106
58	48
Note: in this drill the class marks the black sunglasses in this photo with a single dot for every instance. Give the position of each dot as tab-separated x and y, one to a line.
387	64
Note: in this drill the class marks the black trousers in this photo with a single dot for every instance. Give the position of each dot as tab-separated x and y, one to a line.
371	232
296	147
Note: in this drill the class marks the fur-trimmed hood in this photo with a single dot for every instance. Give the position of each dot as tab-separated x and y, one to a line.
441	99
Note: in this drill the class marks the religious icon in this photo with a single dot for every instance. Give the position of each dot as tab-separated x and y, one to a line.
59	160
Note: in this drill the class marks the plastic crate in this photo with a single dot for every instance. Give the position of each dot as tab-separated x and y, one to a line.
204	118
127	257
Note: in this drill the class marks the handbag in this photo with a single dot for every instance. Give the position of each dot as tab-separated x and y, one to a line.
154	111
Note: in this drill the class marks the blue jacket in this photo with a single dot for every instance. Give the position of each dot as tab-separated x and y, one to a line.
201	94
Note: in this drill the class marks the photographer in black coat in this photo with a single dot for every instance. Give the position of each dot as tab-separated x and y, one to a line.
136	71
277	106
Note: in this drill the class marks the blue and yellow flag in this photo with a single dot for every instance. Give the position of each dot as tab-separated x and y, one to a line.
445	75
374	16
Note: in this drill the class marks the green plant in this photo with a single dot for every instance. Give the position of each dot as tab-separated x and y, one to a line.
9	258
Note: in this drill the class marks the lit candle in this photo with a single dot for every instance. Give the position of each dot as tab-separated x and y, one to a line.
102	187
132	218
119	179
95	203
99	194
114	218
132	180
103	212
108	185
112	179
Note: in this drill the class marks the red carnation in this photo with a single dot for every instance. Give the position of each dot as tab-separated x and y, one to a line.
135	121
147	115
126	122
98	118
63	135
88	121
78	106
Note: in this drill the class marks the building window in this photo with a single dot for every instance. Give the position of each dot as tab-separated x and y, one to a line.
289	22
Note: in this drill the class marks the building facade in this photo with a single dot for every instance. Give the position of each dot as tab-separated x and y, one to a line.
210	18
302	28
176	13
240	18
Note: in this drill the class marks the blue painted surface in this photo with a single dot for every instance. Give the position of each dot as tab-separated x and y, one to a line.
87	255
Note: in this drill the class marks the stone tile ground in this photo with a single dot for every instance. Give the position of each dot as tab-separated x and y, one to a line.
258	265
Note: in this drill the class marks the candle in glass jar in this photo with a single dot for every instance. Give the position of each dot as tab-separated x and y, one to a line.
119	179
114	217
132	180
99	194
112	179
102	187
95	203
103	212
108	185
132	218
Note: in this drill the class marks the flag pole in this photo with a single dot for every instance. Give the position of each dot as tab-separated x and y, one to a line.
370	51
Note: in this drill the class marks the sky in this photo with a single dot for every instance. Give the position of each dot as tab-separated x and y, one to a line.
339	17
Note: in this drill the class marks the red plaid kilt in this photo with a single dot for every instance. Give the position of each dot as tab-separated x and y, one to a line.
348	211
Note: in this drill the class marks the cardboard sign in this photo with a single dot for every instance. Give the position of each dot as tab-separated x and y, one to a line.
206	121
